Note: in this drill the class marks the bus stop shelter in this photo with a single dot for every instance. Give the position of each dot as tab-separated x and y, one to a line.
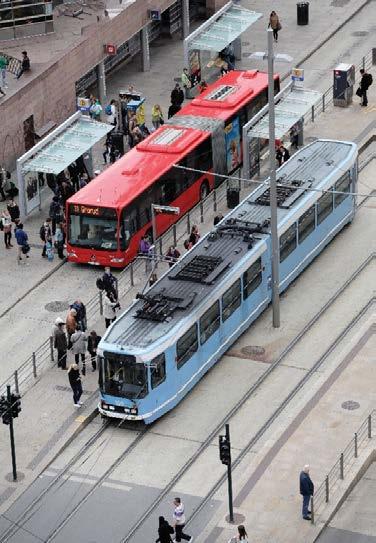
202	48
54	153
292	104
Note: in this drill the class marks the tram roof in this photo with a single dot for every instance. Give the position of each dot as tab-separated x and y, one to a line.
313	164
151	158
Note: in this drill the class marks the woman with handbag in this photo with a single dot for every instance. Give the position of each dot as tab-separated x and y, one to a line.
275	25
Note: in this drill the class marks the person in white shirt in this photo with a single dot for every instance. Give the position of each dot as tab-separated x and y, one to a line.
179	521
111	117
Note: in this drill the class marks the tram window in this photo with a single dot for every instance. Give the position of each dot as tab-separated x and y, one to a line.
231	300
342	185
186	346
209	322
158	370
324	206
306	224
252	278
287	242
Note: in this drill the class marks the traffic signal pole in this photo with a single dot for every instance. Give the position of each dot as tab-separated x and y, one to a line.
11	432
229	477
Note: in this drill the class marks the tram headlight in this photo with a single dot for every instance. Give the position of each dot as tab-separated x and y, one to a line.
104	405
134	411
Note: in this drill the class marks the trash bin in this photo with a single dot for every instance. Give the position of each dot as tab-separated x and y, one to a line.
118	140
303	12
233	197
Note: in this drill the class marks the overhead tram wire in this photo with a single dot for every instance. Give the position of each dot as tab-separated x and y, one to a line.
266	184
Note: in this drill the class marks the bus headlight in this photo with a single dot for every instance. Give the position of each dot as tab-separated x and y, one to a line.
117	260
72	255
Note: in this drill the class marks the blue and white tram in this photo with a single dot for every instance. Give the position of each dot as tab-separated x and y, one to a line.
164	343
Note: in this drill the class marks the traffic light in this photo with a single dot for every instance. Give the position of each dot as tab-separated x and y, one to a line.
3	405
15	400
224	450
7	416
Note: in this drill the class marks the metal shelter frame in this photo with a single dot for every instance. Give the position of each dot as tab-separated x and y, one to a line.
70	140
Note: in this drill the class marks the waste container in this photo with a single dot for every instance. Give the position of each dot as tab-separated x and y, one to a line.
303	12
117	139
233	197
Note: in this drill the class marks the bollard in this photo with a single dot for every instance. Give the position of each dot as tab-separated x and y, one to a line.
312	511
341	466
323	103
202	211
52	348
313	114
34	366
188	224
356	445
327	488
174	234
369	426
16	382
215	200
101	302
132	274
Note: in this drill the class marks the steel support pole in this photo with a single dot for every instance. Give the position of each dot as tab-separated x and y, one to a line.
273	185
101	78
229	478
185	18
145	50
11	432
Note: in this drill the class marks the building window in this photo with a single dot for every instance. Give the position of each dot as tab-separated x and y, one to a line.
209	322
342	185
158	370
186	346
306	224
324	206
287	243
231	300
252	278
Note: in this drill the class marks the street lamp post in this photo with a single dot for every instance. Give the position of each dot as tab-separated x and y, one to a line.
270	57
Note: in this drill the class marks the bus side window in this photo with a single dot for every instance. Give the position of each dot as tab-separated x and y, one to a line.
170	186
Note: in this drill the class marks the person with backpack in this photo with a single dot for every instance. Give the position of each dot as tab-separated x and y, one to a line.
164	531
80	314
365	83
56	213
110	111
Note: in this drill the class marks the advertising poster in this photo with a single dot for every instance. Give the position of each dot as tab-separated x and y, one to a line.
233	150
195	67
32	196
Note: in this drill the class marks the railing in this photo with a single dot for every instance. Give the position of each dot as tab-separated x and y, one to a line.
128	279
346	460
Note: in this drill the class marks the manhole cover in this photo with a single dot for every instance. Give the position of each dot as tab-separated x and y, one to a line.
251	350
9	477
350	405
57	306
360	33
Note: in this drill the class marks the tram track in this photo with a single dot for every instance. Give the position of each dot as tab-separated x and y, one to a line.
250	392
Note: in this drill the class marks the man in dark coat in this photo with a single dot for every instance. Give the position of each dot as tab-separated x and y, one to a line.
60	343
177	95
365	83
306	490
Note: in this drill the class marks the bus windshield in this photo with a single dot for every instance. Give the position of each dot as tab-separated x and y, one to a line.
124	377
93	227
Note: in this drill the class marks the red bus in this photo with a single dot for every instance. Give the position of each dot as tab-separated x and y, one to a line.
107	218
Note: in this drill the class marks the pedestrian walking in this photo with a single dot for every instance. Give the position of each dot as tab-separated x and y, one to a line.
108	282
282	155
275	25
306	490
3	70
111	113
185	81
294	137
241	536
156	116
71	324
59	240
22	242
195	235
81	314
172	255
6	223
179	521
365	83
95	109
14	210
110	305
79	340
45	234
164	531
56	213
60	343
177	95
75	383
92	345
25	64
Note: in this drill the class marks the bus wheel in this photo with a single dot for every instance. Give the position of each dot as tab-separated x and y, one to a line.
204	190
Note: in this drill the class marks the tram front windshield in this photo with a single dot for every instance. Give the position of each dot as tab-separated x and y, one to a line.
93	227
124	377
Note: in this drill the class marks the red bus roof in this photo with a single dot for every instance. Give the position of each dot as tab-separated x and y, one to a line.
139	167
228	94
